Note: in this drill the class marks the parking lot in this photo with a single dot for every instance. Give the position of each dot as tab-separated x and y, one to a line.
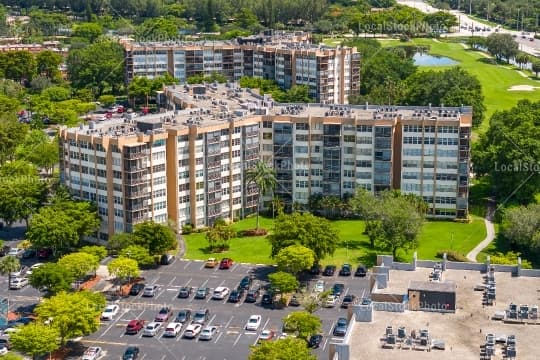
231	340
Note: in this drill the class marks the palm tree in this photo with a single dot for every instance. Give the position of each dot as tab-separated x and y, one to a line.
264	177
8	265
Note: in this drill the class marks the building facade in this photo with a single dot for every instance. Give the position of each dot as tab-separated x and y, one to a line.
188	163
331	74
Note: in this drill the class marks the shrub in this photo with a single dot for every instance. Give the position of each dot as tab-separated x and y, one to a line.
253	232
187	229
452	255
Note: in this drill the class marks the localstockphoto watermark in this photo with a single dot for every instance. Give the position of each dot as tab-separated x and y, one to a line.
518	166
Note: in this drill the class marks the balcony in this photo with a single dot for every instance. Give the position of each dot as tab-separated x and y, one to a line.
137	207
213	140
213	164
136	181
136	194
214	201
135	155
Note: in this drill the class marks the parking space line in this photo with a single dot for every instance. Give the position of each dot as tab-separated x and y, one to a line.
160	293
234	267
266	323
188	282
325	343
331	328
229	322
202	266
170	282
155	280
187	264
237	339
211	319
218	337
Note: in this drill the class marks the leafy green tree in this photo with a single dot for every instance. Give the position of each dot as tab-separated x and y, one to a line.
47	63
476	42
219	235
52	277
56	93
264	178
123	268
297	94
139	89
313	232
283	281
295	258
20	197
441	21
9	264
246	19
502	45
157	29
35	339
107	100
522	59
79	263
73	314
282	349
521	228
302	323
12	133
100	252
12	356
138	253
50	228
89	31
509	258
157	238
119	241
368	207
11	89
536	67
18	65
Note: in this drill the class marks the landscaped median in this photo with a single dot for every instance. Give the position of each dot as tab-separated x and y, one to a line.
354	245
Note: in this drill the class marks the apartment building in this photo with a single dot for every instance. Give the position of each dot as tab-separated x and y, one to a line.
332	74
188	163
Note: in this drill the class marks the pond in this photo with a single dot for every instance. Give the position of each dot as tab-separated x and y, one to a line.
422	59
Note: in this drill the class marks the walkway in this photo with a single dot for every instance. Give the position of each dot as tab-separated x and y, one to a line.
490	232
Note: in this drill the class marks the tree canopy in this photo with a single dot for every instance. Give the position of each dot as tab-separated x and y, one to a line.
282	349
302	323
52	277
35	339
295	258
283	281
157	238
79	263
123	268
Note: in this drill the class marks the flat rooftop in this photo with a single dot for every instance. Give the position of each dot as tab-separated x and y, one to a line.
464	331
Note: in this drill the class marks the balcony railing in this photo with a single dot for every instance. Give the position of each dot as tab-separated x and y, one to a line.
135	155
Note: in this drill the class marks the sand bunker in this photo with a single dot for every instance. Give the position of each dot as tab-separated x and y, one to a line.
523	88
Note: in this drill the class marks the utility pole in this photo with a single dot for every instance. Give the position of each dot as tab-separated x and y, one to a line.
470	7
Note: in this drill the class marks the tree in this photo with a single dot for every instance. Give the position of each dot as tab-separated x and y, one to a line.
100	252
297	94
139	89
441	21
89	31
56	93
313	232
18	65
502	45
138	253
282	349
157	238
219	235
52	277
522	59
520	227
282	281
35	339
38	149
79	263
73	314
368	207
264	178
302	323
475	42
157	29
123	268
295	258
536	67
50	228
119	241
107	100
12	132
47	63
9	264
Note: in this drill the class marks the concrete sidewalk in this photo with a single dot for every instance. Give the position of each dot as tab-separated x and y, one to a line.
490	232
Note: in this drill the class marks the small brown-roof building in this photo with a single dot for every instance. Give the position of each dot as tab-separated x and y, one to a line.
432	296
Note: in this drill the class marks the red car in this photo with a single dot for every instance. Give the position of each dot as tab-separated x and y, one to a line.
225	263
134	326
44	253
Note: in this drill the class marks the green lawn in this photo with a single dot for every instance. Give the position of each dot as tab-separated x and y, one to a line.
354	246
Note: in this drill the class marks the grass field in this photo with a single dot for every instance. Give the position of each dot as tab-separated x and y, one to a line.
354	245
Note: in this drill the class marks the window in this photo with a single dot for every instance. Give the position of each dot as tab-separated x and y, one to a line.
159	193
158	168
160	205
267	124
301	137
159	180
301	149
302	126
349	138
199	185
348	173
316	172
302	184
364	128
363	163
302	172
199	197
183	199
267	136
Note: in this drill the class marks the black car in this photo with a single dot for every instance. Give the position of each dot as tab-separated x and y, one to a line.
185	292
6	343
252	296
267	299
314	341
348	300
316	269
183	316
294	301
345	270
4	250
131	353
166	259
329	270
341	327
236	295
29	253
245	283
136	289
337	289
360	271
202	293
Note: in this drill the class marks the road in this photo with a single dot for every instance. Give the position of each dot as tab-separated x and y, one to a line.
465	23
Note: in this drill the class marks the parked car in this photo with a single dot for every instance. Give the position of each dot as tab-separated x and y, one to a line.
131	353
201	316
202	293
166	259
18	283
172	329
266	335
220	293
110	312
33	268
245	283
152	329
316	269
337	289
315	341
136	289
185	292
192	330
3	350
319	286
44	253
4	250
134	326
19	273
360	271
92	353
225	264
252	296
236	295
163	315
211	263
267	299
150	290
253	323
6	343
208	333
330	301
16	252
345	270
348	300
183	316
329	270
341	327
294	301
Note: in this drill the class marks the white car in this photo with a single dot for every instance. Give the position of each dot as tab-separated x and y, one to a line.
253	323
319	286
92	353
33	267
110	312
18	283
152	329
208	333
150	291
20	273
192	330
331	301
3	350
172	329
17	252
220	293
